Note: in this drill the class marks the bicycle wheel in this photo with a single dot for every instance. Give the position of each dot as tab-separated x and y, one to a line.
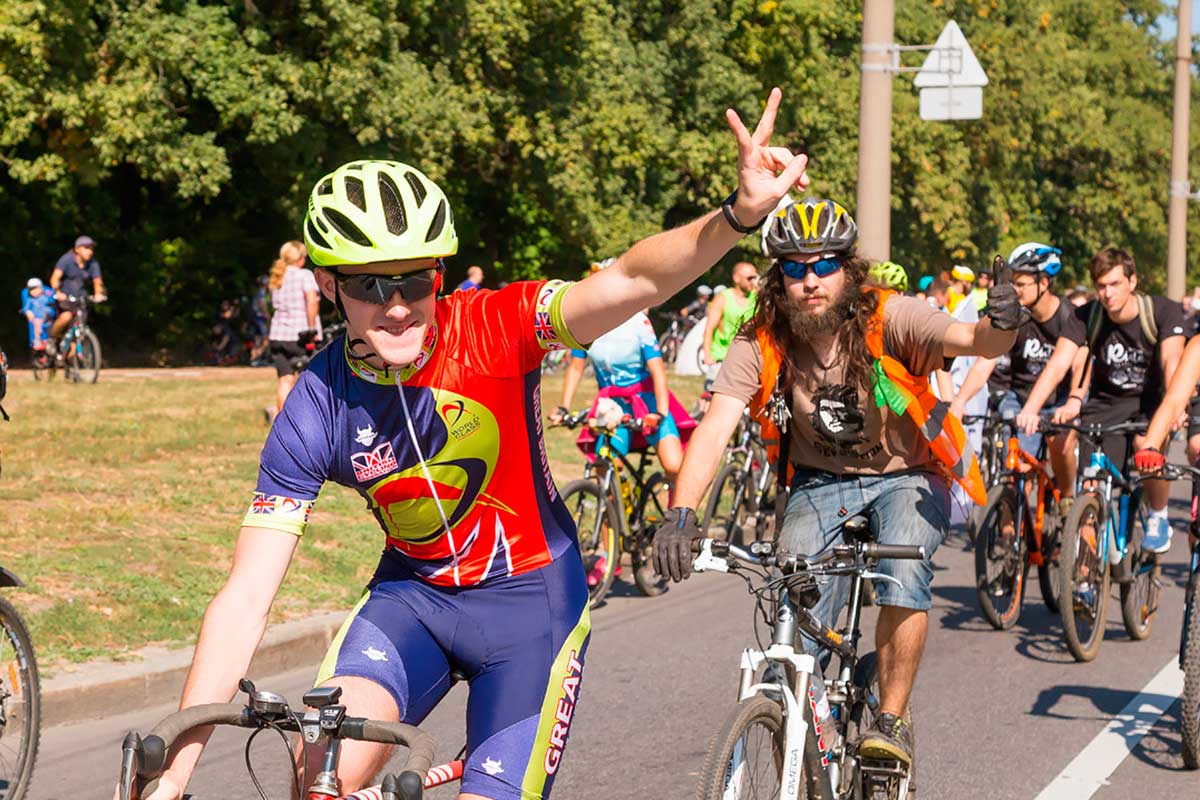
1000	559
1047	571
725	510
598	526
1189	661
745	758
20	705
866	785
669	345
652	509
1139	596
1083	579
88	368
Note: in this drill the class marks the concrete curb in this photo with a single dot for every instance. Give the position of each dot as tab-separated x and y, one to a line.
106	688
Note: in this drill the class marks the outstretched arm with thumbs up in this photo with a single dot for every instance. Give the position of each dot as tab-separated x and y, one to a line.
993	335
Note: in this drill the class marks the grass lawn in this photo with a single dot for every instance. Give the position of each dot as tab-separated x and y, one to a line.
120	504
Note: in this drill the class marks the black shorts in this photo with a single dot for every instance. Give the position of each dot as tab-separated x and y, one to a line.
69	304
286	356
1118	445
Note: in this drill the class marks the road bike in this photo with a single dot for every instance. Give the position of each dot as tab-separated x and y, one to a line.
617	508
1189	637
326	725
1102	542
20	699
779	742
743	494
78	350
1019	527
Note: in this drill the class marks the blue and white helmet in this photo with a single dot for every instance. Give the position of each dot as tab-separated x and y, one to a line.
1035	257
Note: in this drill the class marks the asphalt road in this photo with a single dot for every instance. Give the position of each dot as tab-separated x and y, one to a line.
998	714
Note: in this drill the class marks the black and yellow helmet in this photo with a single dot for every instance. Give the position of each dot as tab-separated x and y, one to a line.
813	225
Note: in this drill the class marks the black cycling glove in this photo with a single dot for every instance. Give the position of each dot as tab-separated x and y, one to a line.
673	543
1004	308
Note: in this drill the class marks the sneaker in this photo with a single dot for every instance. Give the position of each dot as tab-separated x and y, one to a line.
596	573
888	739
1157	537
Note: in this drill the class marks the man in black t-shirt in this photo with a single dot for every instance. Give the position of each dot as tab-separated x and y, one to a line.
73	270
1033	267
1124	371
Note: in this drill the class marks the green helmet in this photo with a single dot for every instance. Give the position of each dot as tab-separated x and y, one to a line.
889	274
368	211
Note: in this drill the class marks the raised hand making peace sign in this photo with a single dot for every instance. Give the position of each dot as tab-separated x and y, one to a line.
765	173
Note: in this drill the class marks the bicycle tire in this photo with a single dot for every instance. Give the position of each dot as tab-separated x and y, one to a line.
997	566
19	675
722	510
1047	571
721	762
1139	595
89	353
866	675
647	581
1189	662
1083	646
598	535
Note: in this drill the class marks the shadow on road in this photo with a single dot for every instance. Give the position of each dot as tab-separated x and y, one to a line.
1161	746
1037	634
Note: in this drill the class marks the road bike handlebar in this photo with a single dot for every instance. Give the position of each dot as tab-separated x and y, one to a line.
146	758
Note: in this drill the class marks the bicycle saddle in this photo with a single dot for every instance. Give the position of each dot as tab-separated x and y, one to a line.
857	529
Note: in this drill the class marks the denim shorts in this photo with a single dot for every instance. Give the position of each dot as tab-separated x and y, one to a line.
909	508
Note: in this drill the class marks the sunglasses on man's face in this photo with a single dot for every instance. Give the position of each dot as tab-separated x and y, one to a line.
796	270
378	289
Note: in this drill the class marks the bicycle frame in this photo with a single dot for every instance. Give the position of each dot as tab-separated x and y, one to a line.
1114	546
1014	459
613	460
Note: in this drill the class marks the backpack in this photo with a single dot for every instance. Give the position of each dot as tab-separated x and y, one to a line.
1145	318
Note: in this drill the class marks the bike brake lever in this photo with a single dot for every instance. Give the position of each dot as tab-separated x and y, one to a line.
707	562
880	576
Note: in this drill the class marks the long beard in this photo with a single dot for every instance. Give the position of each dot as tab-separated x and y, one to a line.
805	326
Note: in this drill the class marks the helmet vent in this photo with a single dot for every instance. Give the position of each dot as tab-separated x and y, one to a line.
393	208
418	188
439	222
326	186
315	237
342	224
355	193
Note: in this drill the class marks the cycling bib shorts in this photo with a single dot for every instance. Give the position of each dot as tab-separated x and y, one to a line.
519	640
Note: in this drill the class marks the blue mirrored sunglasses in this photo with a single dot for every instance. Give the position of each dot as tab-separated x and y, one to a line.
796	270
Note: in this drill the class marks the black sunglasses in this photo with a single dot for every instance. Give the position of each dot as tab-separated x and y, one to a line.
378	289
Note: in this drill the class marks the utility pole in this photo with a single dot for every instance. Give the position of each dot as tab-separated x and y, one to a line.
1180	188
874	202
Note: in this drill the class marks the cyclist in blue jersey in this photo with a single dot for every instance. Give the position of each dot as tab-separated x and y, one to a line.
430	409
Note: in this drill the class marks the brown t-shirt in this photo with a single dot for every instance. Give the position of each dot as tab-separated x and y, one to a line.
838	428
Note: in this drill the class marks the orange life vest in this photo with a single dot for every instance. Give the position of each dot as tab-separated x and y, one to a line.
898	389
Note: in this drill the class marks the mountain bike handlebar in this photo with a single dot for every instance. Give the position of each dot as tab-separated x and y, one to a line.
1096	430
843	557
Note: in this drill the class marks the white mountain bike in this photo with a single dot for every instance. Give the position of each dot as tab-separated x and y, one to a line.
773	744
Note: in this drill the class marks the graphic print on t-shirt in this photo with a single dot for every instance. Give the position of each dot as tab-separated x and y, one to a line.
837	418
1126	365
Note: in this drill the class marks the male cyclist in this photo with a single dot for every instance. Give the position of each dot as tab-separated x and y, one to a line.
1125	351
430	409
848	360
726	313
698	308
72	271
1033	267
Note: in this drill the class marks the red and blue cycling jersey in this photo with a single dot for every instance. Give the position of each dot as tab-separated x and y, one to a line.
476	412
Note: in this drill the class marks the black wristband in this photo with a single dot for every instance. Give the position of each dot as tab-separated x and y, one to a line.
731	218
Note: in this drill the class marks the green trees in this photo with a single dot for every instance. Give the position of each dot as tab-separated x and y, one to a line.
184	135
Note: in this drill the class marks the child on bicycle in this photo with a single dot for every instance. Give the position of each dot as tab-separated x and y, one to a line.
37	306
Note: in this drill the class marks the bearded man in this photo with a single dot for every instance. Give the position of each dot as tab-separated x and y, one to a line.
822	345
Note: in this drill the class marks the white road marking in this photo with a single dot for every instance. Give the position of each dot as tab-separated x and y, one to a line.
1089	770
